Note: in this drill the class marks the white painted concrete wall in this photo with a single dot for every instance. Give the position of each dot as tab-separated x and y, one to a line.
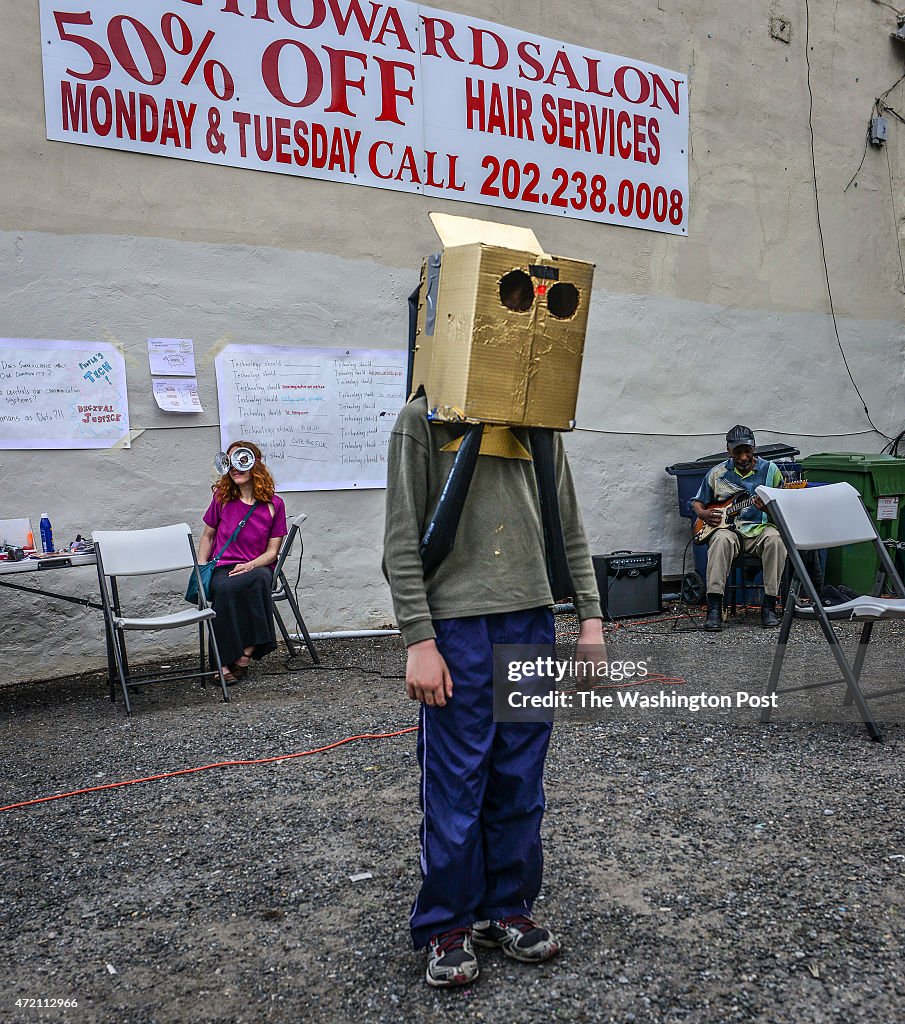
687	336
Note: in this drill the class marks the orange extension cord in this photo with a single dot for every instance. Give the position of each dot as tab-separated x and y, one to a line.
655	678
205	767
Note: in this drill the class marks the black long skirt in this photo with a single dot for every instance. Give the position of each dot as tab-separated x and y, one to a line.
244	610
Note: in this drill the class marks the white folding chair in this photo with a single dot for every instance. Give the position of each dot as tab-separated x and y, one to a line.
124	553
826	517
283	592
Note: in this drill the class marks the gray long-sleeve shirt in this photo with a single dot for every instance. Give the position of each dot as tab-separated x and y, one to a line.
498	563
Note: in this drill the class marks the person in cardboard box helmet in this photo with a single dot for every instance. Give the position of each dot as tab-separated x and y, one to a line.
483	534
727	505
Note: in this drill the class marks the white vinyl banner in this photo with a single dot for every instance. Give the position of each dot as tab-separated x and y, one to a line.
393	96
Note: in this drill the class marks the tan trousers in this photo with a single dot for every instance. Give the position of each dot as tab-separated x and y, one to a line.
724	545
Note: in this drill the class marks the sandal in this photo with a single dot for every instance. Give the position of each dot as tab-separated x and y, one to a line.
238	671
229	677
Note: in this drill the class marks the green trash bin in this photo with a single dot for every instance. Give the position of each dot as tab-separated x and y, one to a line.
880	480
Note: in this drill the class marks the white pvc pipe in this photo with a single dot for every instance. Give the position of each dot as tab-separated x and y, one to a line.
357	634
342	634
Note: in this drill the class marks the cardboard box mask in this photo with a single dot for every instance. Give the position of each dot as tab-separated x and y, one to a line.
501	327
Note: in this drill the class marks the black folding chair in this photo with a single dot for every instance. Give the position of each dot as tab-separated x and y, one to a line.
283	592
826	517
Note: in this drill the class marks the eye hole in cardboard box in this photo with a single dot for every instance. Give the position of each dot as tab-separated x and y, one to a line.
562	300
517	291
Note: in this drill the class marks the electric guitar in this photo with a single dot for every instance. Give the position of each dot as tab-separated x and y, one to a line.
727	509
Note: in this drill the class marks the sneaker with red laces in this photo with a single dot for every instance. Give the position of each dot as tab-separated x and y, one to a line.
451	959
519	937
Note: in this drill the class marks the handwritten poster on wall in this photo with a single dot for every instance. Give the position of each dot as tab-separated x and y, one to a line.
321	416
62	394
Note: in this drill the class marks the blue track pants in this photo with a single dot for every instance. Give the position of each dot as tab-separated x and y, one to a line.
482	795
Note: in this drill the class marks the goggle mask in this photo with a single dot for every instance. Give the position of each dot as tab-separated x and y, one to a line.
241	459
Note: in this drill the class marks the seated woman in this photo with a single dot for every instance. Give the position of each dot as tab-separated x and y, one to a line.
241	585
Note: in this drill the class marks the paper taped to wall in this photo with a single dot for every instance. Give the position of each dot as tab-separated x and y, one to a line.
62	394
177	395
321	416
173	356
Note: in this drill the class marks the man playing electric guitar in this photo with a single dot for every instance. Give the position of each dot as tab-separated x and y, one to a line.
726	511
746	529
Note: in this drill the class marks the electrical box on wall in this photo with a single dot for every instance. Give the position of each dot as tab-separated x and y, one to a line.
877	131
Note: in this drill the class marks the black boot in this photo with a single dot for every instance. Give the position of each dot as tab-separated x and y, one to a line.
768	617
714	621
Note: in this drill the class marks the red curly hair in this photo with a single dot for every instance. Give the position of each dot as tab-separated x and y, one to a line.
261	480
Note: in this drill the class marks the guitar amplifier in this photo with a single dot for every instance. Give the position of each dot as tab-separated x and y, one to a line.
630	583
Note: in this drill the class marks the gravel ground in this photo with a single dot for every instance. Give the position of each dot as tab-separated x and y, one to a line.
699	867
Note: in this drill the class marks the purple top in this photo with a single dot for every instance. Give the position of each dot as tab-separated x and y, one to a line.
254	535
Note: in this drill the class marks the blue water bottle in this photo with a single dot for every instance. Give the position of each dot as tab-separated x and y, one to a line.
46	534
